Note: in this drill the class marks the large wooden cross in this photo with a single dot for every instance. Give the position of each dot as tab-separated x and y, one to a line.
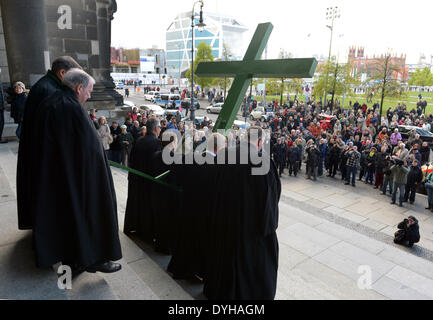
243	71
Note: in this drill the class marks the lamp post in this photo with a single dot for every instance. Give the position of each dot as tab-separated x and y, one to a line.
332	13
200	26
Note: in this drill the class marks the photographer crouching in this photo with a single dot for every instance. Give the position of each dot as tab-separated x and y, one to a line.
408	232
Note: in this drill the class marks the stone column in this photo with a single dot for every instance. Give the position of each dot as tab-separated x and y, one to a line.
104	88
25	31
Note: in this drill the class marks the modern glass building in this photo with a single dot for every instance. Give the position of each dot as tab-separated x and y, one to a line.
220	30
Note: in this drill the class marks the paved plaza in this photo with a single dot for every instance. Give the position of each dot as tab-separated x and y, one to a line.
328	234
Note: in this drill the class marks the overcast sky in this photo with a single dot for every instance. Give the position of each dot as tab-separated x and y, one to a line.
379	25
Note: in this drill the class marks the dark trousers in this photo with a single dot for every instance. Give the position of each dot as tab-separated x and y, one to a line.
370	174
390	182
293	168
378	180
351	171
410	192
343	169
333	168
401	187
115	155
362	173
280	166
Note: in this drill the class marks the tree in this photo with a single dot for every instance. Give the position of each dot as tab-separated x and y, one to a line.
384	81
422	78
204	54
295	85
339	78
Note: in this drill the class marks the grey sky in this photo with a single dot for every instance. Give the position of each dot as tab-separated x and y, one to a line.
378	25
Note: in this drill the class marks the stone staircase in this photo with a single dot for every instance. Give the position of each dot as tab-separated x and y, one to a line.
142	277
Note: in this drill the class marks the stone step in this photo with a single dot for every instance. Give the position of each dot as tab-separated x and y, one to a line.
140	277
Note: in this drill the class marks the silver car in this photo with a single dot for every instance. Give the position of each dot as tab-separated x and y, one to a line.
216	108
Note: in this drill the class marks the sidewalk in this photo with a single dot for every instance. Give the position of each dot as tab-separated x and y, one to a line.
328	234
363	208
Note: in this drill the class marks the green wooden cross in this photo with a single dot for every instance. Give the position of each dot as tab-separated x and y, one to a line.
243	71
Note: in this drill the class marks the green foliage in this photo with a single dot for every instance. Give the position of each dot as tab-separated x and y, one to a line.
422	78
204	54
294	86
383	82
336	76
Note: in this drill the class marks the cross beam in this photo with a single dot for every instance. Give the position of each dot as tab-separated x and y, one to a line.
243	71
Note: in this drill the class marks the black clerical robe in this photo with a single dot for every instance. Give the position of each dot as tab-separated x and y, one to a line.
75	210
192	217
242	255
139	215
45	87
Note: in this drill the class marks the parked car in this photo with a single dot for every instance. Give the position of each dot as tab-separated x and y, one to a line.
258	113
196	103
242	124
151	96
173	112
424	135
157	110
216	108
128	104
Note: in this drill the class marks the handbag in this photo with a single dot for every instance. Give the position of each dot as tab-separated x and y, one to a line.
110	139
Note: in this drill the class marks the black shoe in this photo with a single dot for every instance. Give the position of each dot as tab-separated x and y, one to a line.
107	267
400	205
393	202
353	185
347	183
411	202
4	141
428	208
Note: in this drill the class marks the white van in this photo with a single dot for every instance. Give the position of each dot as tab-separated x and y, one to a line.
166	100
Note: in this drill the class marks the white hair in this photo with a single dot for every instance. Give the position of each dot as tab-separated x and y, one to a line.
75	77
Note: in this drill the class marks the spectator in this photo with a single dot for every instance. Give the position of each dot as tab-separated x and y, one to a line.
414	178
399	174
92	114
17	105
115	147
408	232
104	134
353	158
126	141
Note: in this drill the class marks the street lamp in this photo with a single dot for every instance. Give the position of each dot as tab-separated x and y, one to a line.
332	13
200	25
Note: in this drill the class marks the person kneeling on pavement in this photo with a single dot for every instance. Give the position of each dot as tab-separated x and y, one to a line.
408	232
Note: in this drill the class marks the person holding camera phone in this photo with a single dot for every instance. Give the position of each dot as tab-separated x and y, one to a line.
399	174
408	232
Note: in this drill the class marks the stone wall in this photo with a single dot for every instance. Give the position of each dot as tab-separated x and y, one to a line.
80	41
4	74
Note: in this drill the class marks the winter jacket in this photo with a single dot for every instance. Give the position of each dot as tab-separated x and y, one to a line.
399	174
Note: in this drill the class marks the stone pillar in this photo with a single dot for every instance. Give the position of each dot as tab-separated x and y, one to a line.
104	89
25	31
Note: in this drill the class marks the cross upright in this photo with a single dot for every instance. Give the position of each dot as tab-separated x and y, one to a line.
243	71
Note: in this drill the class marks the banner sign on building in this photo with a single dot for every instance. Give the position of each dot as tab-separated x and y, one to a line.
147	64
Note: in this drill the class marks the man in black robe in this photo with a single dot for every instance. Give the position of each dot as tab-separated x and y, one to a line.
192	218
75	211
45	87
138	216
242	260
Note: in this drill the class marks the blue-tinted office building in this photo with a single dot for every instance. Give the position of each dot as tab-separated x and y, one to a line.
219	30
